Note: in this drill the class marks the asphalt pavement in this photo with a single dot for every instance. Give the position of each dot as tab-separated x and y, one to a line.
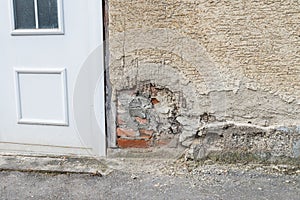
156	179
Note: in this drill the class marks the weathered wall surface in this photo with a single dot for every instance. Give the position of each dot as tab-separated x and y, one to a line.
180	67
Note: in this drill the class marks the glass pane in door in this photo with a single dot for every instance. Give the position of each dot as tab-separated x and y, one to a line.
24	14
47	14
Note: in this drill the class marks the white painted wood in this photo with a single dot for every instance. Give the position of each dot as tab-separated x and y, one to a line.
67	116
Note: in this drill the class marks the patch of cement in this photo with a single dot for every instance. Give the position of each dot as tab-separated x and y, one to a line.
54	164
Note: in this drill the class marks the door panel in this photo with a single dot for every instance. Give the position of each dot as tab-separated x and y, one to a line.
40	73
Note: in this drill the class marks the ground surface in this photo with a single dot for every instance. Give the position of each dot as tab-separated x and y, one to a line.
157	179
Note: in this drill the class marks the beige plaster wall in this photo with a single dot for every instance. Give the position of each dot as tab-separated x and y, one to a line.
234	60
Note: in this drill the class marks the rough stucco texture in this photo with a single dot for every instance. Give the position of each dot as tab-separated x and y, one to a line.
176	66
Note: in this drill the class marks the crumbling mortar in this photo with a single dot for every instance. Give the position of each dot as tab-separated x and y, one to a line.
241	137
144	114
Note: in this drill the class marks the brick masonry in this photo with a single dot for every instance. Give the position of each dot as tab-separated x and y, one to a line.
176	66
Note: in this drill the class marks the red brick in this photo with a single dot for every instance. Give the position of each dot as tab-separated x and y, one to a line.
146	132
154	91
154	101
161	143
120	121
141	120
135	143
121	132
145	137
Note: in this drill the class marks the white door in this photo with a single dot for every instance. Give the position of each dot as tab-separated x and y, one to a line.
52	77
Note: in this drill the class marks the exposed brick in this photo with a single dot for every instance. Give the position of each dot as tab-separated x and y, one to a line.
122	132
154	101
120	121
147	137
161	143
141	120
133	143
146	132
